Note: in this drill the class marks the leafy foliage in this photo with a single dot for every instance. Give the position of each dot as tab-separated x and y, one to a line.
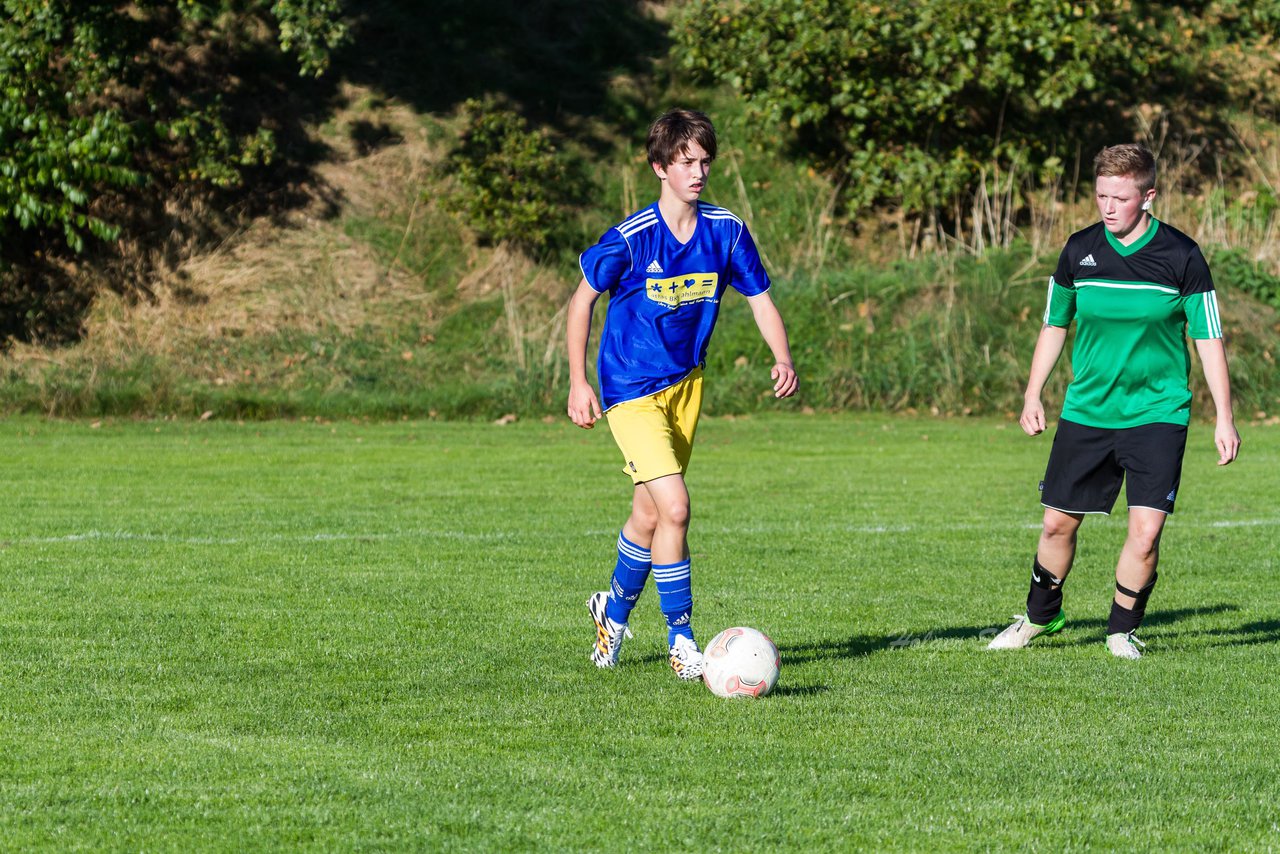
56	151
1247	275
912	100
92	102
513	179
111	113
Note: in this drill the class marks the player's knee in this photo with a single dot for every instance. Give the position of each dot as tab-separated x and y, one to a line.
644	520
1144	539
1059	527
676	513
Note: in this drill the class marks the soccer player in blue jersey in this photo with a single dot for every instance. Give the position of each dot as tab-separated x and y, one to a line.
1135	288
666	269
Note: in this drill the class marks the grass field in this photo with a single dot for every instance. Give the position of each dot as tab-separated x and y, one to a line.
348	636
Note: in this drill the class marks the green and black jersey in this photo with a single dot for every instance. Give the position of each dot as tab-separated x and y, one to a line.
1133	306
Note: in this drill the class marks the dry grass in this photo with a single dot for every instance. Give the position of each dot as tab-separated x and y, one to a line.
302	273
308	272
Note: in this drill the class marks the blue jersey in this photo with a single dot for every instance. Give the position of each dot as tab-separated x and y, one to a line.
664	296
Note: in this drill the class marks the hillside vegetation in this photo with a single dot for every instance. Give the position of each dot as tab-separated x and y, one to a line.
410	246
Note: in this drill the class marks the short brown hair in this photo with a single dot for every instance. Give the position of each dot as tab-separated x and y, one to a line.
671	133
1129	159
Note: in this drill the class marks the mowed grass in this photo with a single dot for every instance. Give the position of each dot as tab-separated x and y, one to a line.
348	636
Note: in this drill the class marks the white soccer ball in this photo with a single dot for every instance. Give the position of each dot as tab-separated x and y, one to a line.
741	662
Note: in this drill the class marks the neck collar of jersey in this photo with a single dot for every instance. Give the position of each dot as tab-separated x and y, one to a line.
1125	251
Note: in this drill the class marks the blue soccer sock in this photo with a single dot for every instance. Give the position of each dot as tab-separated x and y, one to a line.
629	576
675	596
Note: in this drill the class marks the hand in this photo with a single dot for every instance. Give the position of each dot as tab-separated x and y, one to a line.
1227	440
584	408
1032	419
785	381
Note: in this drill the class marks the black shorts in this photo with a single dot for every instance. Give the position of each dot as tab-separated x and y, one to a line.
1087	465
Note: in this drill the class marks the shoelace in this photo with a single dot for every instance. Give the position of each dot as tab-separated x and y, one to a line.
1133	639
684	650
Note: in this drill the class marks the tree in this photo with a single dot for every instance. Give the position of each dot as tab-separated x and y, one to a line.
912	101
99	100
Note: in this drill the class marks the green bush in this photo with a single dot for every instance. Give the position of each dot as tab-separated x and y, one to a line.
99	97
116	120
1235	268
513	182
913	101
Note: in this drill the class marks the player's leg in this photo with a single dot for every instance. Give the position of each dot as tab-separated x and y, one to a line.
1135	579
671	572
1044	614
669	498
611	609
634	425
1152	457
634	556
1055	553
1141	552
655	435
1081	477
674	585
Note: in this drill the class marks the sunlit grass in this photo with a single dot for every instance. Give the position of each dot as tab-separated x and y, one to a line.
350	635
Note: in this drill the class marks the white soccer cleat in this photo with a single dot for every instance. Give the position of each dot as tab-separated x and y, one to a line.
686	658
609	633
1125	645
1023	631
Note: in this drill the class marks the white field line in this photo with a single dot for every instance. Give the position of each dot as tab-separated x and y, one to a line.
493	536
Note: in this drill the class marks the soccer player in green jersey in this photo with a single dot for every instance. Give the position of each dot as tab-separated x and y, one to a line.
1135	287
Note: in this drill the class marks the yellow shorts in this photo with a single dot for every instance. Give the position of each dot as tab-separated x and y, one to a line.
655	433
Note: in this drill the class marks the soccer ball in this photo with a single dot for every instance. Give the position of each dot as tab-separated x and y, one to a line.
741	662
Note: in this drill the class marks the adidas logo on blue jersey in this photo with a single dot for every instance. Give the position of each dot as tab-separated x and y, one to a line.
655	267
1088	262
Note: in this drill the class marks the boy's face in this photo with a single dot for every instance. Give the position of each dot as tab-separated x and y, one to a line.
1120	202
686	177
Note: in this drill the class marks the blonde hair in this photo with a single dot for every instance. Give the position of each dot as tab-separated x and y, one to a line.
1131	160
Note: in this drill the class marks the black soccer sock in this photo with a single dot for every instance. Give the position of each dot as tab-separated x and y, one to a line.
1044	601
1124	620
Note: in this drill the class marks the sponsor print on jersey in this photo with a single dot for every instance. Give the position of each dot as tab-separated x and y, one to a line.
680	290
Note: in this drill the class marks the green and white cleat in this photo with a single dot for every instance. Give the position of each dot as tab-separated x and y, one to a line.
1023	631
609	634
686	658
1125	645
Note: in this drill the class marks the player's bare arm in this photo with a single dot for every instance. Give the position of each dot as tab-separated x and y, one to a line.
584	406
774	331
1213	357
1048	348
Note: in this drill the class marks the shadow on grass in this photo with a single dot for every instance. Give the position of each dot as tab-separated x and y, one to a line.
854	646
1079	633
1155	619
1263	631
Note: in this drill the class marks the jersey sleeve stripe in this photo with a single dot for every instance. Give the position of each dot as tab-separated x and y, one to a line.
638	223
1048	302
1211	314
715	212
